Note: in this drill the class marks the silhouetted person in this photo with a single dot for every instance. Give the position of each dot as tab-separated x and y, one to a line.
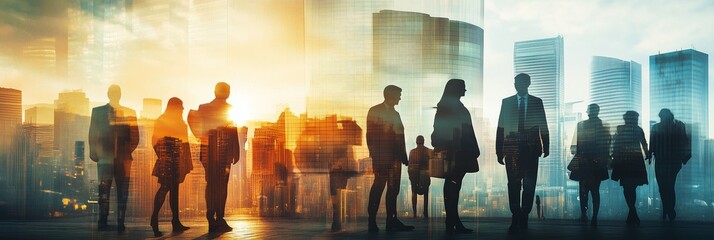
521	137
342	163
113	136
539	210
592	156
170	141
671	148
386	143
628	164
454	133
219	149
419	174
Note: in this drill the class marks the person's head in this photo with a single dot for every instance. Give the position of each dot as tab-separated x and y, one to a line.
222	91
665	115
174	105
522	82
593	110
392	95
114	93
420	140
454	88
631	117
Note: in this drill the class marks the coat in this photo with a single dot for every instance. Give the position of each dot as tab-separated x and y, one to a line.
385	137
454	132
113	134
524	146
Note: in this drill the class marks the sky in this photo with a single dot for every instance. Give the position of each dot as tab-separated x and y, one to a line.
265	83
627	30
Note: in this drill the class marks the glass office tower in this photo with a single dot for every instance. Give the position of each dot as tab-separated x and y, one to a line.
616	86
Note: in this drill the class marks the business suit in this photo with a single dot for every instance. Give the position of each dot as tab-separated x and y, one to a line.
219	149
521	140
113	136
671	147
387	148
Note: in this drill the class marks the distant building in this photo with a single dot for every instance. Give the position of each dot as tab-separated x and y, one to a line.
616	86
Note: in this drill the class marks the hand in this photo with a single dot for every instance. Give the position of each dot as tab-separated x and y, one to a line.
546	153
500	159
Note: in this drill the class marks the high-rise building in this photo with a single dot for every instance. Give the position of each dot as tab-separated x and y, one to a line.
208	37
616	86
420	53
542	59
71	123
41	55
151	108
97	33
10	114
40	114
10	120
159	31
340	42
679	81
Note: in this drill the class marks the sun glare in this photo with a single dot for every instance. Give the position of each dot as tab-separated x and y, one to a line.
239	114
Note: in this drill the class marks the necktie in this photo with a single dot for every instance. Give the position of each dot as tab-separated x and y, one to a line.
521	114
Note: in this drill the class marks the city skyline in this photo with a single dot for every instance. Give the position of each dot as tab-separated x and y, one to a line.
321	59
276	34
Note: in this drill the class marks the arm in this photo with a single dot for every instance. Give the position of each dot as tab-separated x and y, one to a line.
93	136
687	144
500	133
401	143
236	146
643	143
372	132
544	133
133	131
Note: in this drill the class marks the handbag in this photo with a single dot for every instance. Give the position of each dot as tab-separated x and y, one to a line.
437	164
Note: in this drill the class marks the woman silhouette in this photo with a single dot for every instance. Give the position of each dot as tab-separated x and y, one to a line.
592	151
628	164
454	134
170	141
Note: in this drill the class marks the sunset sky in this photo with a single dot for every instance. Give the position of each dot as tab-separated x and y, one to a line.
268	38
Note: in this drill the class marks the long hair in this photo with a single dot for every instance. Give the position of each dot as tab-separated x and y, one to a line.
452	91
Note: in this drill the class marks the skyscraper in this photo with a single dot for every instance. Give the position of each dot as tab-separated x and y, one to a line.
151	108
10	114
616	86
97	33
71	123
680	81
420	53
40	114
10	120
542	59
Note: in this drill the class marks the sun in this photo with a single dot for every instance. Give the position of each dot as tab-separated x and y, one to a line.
239	114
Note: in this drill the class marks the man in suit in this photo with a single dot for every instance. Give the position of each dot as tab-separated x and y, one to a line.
113	136
386	143
219	149
671	147
521	138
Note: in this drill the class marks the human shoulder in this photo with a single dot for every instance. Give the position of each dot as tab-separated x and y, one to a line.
534	98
